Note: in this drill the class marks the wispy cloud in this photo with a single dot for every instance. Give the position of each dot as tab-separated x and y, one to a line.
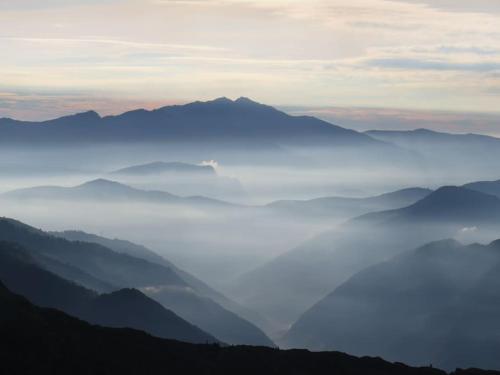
114	42
482	6
412	53
408	64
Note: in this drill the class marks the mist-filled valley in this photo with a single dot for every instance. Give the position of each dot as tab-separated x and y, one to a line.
250	187
230	222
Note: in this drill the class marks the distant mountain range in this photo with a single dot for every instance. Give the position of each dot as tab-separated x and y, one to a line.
109	191
245	132
180	178
456	151
44	341
220	119
97	267
159	167
448	205
436	304
423	138
350	207
291	283
486	187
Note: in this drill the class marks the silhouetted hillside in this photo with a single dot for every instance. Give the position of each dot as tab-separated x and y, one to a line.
115	244
449	204
41	341
107	191
106	265
124	308
125	271
221	120
436	304
132	309
290	284
200	287
350	207
486	187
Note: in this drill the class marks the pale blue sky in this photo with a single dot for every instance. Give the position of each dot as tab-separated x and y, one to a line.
59	56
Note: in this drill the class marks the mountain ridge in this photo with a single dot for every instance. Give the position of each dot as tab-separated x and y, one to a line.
417	298
216	119
126	271
43	335
121	308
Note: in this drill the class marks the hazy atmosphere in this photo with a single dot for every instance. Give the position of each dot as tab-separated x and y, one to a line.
251	177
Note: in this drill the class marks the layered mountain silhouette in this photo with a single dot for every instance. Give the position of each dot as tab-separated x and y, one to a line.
220	119
423	138
449	205
123	308
181	179
350	207
473	153
438	303
45	341
109	191
486	187
175	168
290	284
200	287
93	262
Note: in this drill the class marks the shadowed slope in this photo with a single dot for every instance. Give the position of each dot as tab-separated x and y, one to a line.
124	308
35	340
125	271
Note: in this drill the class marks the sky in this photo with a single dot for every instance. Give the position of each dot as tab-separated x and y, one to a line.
422	58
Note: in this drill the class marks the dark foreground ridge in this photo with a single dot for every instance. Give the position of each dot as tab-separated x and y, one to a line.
44	341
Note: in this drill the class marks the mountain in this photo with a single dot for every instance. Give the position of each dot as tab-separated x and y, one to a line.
43	341
288	285
108	310
99	189
428	138
437	304
220	119
139	251
474	334
109	191
123	308
175	168
119	270
117	245
350	207
486	187
471	153
449	204
125	271
182	179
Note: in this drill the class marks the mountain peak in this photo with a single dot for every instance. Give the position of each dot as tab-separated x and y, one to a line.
127	293
245	100
436	246
460	196
495	244
457	203
87	115
424	131
101	183
166	167
221	100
